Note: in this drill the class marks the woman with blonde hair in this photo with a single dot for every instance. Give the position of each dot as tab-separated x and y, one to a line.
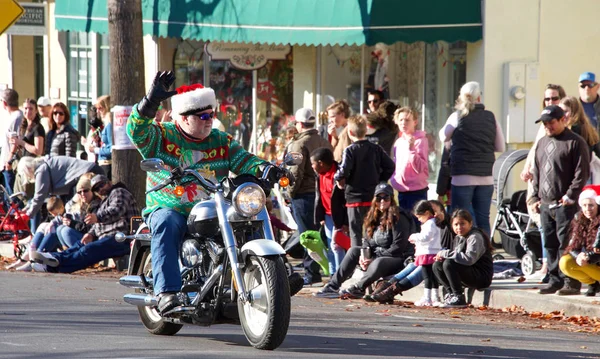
338	113
579	123
475	136
103	150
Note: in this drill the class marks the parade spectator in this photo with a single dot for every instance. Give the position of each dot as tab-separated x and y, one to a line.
56	175
444	179
427	245
9	128
113	215
374	99
475	136
588	95
93	139
103	150
364	165
379	131
387	230
44	107
412	275
468	264
32	141
562	165
338	114
410	154
552	96
302	191
579	260
579	123
330	204
84	202
65	138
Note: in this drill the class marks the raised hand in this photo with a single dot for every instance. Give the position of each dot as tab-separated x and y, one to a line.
158	92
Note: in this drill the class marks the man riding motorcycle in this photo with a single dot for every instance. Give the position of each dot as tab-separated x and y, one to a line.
190	139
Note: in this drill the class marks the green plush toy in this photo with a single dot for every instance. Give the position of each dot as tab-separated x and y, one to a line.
311	240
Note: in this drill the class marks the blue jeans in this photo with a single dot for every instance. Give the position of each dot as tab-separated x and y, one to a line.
34	221
411	273
81	256
477	200
168	228
334	256
407	200
303	209
45	242
68	236
9	181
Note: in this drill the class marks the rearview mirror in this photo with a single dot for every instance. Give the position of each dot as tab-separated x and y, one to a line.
293	159
152	165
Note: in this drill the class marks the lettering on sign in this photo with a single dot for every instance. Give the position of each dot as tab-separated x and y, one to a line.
120	139
32	23
246	56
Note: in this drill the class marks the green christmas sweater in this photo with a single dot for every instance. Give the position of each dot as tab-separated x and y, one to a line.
213	157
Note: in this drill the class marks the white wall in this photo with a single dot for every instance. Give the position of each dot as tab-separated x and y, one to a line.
304	69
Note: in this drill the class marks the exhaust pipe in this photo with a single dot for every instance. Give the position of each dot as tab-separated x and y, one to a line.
140	300
134	281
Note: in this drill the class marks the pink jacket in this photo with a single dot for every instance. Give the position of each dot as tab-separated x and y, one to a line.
412	168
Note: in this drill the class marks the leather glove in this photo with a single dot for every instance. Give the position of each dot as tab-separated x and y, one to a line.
159	91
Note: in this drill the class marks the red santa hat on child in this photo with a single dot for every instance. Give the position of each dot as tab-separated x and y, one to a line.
193	99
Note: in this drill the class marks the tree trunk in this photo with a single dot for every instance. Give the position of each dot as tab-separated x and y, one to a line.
126	84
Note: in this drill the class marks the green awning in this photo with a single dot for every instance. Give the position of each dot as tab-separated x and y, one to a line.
294	22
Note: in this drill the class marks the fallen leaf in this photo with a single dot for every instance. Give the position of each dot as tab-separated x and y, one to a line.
583	347
417	325
521	279
486	340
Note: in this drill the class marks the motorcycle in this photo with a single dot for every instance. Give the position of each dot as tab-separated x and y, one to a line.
232	269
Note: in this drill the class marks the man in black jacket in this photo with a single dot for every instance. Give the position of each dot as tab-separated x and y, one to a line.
562	168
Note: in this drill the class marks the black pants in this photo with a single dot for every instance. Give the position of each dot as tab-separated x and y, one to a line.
380	267
453	275
356	217
429	279
555	224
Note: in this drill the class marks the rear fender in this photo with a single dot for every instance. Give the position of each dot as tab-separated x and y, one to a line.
261	248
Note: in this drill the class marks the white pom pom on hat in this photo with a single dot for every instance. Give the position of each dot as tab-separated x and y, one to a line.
192	99
588	194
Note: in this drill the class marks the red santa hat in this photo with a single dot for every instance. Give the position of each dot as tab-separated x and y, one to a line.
192	99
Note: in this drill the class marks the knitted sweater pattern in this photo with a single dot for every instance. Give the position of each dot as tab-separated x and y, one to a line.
213	157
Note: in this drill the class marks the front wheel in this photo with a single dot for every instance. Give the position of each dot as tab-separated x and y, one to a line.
265	317
149	316
528	263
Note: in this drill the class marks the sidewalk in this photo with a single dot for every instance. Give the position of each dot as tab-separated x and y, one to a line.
504	293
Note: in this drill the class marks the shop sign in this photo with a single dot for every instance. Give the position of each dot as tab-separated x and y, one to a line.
33	21
246	56
11	10
120	140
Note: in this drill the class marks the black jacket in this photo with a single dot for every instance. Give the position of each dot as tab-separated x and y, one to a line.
339	214
473	144
396	243
444	179
364	165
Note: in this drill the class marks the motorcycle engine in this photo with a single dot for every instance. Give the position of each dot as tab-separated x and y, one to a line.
201	255
203	221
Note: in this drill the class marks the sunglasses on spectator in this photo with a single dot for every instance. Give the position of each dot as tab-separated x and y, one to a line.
553	98
382	198
58	113
373	101
204	116
590	85
98	186
83	191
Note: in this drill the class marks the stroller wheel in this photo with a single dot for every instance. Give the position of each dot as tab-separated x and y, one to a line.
498	257
19	252
528	263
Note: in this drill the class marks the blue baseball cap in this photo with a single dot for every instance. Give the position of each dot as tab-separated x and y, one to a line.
587	76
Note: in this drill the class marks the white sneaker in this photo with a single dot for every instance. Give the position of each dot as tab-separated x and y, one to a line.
24	268
423	302
37	267
15	264
44	258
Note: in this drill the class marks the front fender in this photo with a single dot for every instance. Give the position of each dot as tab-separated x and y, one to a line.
262	248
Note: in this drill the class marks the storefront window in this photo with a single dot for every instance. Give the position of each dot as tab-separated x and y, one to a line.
189	63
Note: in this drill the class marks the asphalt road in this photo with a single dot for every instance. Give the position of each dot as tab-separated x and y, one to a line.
61	316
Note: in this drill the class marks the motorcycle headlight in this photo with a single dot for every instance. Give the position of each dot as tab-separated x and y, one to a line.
191	253
248	199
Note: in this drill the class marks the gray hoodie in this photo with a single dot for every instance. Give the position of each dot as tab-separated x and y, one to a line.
56	176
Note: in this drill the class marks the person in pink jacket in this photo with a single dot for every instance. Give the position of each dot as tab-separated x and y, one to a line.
410	154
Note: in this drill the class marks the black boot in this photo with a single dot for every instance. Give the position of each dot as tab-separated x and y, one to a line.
571	287
592	289
387	295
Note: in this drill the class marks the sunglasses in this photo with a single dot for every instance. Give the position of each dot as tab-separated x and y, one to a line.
587	85
373	101
382	198
83	191
98	186
58	113
553	98
204	116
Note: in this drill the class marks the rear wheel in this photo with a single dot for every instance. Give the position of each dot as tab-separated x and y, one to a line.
149	315
265	317
528	263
